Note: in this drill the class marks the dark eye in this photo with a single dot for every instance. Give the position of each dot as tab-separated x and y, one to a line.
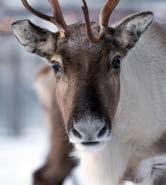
116	63
56	67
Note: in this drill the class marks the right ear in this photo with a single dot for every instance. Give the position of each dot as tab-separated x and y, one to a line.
35	39
128	32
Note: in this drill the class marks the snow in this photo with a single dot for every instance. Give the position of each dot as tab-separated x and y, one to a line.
19	157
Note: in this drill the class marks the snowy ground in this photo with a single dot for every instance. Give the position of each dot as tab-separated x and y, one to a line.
19	157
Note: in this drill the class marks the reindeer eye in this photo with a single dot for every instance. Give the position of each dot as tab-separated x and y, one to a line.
116	62
56	67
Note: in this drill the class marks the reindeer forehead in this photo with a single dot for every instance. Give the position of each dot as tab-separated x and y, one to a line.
78	52
79	31
78	45
78	37
77	58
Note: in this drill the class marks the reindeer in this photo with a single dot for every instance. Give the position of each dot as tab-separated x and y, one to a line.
109	91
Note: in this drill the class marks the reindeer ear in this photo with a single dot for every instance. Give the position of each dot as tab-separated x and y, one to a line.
128	32
35	39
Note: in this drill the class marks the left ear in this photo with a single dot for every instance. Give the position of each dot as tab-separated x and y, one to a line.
128	32
34	39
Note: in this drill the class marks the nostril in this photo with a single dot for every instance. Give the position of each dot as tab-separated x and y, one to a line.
76	133
102	131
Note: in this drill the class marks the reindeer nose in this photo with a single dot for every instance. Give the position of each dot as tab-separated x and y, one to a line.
89	132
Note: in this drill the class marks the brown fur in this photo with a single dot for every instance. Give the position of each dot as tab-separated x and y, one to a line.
83	62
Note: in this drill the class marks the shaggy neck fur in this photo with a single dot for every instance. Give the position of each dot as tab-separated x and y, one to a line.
140	118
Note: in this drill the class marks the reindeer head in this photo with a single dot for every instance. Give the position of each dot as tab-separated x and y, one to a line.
86	61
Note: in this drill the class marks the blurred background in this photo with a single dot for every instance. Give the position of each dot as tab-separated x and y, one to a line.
23	134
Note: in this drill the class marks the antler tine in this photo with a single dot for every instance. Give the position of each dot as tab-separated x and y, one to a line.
35	12
90	33
106	13
56	19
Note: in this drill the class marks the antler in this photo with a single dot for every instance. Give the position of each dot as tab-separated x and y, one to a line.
56	19
105	14
103	20
90	33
